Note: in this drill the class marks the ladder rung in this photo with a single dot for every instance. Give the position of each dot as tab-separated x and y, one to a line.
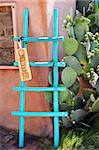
40	114
43	64
39	39
39	89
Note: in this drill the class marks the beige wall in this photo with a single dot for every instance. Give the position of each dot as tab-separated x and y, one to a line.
40	24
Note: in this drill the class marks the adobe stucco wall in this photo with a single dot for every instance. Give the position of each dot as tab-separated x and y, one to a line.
40	24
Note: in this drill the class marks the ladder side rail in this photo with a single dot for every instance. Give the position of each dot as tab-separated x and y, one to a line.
22	84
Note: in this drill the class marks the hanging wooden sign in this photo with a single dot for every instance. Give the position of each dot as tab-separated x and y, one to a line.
24	68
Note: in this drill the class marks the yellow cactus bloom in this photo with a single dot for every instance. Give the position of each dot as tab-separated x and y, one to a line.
68	17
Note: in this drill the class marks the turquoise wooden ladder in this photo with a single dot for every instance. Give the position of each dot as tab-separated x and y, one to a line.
55	64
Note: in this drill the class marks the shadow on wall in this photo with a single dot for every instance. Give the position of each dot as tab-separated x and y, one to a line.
64	8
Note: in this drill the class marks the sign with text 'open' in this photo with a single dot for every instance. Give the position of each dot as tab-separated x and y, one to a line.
24	68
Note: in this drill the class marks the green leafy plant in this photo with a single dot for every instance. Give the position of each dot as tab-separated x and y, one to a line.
70	142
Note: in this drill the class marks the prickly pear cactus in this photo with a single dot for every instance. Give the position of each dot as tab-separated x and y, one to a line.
79	102
82	58
64	107
95	61
95	106
68	76
70	46
94	44
63	95
97	18
78	115
80	30
75	88
87	92
81	54
97	87
66	122
72	62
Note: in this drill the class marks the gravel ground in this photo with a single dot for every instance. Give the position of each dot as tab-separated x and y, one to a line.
9	141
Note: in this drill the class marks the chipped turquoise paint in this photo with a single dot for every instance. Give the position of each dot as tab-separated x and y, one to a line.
55	64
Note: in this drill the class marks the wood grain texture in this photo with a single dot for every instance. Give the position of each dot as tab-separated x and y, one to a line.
24	68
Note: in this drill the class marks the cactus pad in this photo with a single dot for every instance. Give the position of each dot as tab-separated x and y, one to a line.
68	76
95	106
70	46
80	30
78	115
72	62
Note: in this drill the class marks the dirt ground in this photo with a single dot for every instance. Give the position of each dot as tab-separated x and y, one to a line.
9	141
